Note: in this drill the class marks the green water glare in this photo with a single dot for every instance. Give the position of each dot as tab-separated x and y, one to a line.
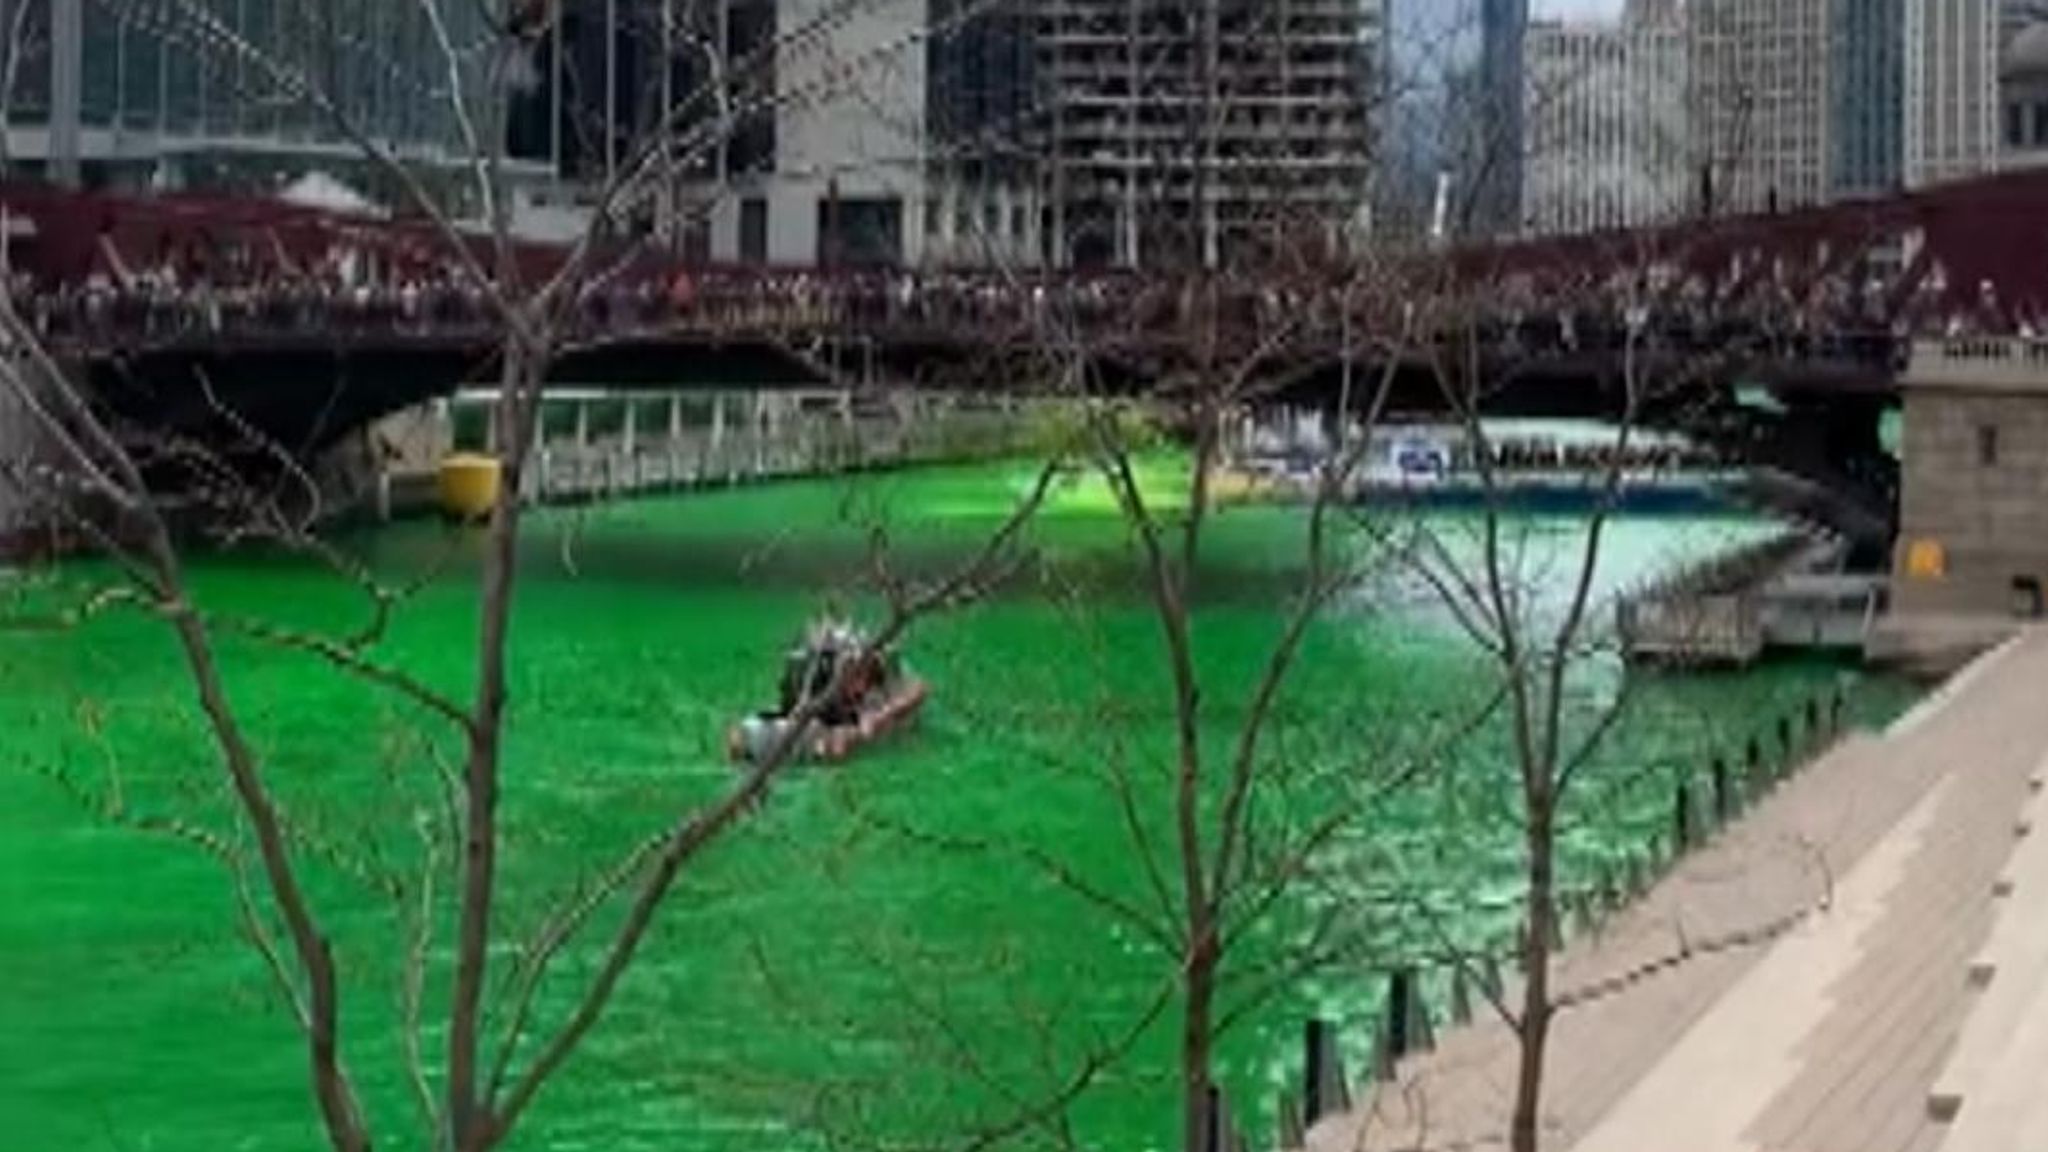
870	953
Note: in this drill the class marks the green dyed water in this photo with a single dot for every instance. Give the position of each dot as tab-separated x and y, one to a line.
859	957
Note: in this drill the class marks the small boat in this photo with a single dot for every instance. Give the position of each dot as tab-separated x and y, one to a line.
876	697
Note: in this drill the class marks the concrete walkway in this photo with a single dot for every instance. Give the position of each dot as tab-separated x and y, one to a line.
1864	889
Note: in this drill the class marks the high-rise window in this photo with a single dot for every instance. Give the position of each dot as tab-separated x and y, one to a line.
29	103
754	230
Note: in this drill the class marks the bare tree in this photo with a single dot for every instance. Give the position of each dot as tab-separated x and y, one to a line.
101	483
1231	828
1534	606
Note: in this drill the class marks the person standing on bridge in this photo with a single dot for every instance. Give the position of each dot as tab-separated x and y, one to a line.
682	293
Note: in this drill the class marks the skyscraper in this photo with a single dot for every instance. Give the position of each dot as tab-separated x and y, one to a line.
1608	133
980	108
135	95
1951	91
2023	89
1185	132
1432	54
1503	32
1866	96
2016	16
1759	71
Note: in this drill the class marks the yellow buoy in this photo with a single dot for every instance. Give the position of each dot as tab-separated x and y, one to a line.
468	485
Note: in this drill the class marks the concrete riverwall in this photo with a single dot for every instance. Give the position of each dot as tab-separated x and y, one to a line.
594	445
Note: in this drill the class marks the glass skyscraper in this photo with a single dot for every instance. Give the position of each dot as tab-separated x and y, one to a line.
1951	87
1866	96
1503	32
110	93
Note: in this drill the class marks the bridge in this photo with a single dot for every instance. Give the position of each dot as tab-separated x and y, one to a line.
307	325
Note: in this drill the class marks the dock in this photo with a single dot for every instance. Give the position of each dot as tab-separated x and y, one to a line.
1786	593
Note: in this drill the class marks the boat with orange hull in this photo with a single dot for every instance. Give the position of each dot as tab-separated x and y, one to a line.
853	697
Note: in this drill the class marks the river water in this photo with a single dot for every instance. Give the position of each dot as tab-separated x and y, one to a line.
872	955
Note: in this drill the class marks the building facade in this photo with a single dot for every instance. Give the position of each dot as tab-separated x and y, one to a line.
2023	93
1866	97
1608	136
847	178
880	134
982	201
111	94
1429	127
2016	16
1503	143
1177	133
1759	74
1951	90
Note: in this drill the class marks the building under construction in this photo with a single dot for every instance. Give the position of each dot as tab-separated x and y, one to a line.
1205	130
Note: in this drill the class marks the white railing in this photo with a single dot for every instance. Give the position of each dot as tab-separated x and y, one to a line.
1980	361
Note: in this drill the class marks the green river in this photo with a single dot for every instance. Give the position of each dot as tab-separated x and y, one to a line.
870	956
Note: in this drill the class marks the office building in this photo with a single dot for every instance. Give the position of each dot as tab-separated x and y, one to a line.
2016	16
943	132
1866	97
1428	126
111	94
1192	133
2023	92
1608	136
884	133
982	201
1503	30
1951	90
1759	74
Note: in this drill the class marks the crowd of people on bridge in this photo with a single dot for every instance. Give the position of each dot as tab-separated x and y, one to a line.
353	294
200	294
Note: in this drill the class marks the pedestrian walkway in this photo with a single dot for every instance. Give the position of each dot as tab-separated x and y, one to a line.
1990	1086
1821	953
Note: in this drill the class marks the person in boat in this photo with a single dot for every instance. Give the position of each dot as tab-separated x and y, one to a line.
830	644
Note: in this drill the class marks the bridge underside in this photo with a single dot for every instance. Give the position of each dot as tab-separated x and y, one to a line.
1814	439
305	397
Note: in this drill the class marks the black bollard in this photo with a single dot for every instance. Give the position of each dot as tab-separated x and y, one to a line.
1314	1071
1681	820
1723	804
1835	707
1400	1012
1461	996
1812	721
1785	744
1753	766
1323	1090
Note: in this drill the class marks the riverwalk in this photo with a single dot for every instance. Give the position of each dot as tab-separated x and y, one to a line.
1859	965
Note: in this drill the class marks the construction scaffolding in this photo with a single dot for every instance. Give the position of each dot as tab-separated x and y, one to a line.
1177	130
